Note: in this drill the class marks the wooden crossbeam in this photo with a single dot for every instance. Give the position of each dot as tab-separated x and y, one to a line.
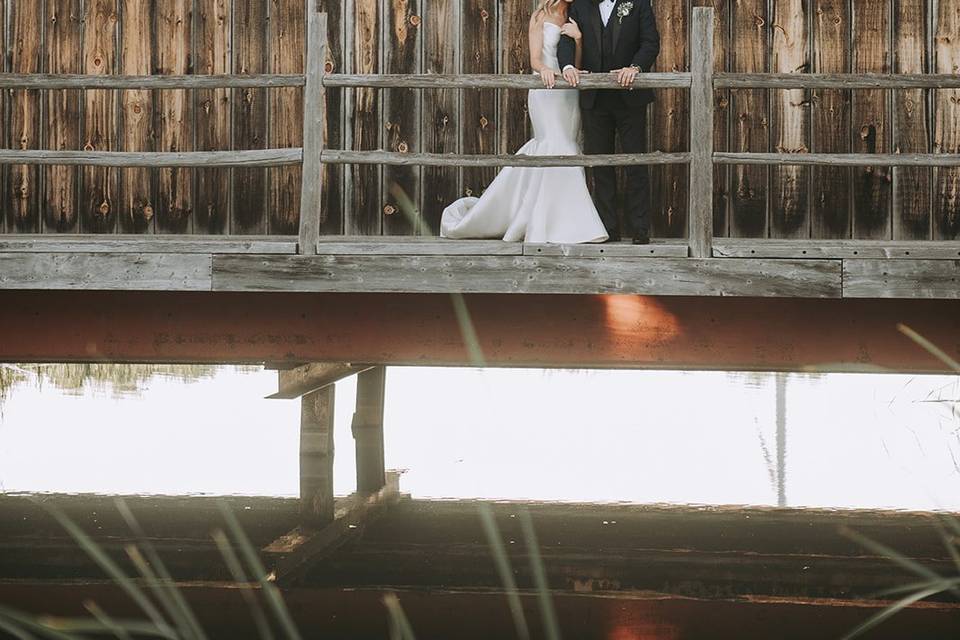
294	553
297	382
367	428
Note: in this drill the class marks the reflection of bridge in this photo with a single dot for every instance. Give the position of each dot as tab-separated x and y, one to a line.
698	302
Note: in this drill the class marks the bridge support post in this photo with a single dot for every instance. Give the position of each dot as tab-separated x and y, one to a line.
367	430
701	134
314	106
316	457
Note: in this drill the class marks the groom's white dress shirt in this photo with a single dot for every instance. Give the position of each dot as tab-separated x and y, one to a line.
606	10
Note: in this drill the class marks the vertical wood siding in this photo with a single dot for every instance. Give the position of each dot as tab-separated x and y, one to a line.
469	36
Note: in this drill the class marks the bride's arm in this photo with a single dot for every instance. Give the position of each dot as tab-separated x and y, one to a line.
535	36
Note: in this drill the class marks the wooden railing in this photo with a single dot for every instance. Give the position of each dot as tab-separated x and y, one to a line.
702	81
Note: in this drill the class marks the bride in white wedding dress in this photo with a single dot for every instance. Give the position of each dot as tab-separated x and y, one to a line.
532	204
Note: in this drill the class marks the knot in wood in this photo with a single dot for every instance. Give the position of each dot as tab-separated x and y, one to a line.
389	210
403	147
104	208
484	122
328	66
484	15
415	21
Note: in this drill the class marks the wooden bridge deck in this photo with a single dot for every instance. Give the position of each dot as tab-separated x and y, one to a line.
741	268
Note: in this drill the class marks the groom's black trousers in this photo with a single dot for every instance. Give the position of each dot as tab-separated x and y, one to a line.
608	117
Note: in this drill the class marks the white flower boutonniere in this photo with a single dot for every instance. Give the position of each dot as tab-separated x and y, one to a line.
624	10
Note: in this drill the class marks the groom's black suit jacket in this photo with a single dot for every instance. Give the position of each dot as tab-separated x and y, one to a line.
635	41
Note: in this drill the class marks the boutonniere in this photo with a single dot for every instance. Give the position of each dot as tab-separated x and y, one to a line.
623	10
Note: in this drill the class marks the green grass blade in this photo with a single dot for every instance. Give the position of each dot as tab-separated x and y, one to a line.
398	618
270	590
944	585
891	611
502	561
29	624
161	592
109	566
104	618
137	628
931	348
15	630
246	592
551	626
184	612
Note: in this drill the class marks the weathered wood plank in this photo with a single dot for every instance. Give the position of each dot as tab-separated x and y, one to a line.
66	243
133	81
701	212
458	160
836	249
513	274
514	59
316	457
21	193
4	135
831	216
441	113
314	120
486	80
99	191
657	249
790	186
751	126
97	271
364	215
268	157
367	428
872	186
174	115
287	39
856	80
913	187
212	25
842	159
412	245
64	33
249	186
478	54
333	176
137	186
938	279
401	110
297	382
670	125
946	127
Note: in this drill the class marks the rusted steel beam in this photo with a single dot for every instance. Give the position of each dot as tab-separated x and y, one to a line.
520	330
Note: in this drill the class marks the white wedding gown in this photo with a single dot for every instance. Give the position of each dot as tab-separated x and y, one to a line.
528	203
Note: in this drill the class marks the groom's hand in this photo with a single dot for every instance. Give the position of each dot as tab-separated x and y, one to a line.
571	75
626	76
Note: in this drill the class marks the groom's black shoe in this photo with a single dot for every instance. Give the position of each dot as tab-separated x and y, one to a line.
641	238
613	236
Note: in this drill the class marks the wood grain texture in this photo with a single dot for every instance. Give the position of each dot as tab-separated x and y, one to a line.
415	246
913	187
212	27
831	191
314	121
440	118
139	81
837	81
751	119
316	457
837	249
21	193
287	42
264	158
137	186
937	279
514	274
4	135
61	184
105	272
701	211
139	243
670	124
333	176
401	108
872	186
946	127
515	59
479	54
508	160
790	186
657	80
249	186
364	213
174	115
99	191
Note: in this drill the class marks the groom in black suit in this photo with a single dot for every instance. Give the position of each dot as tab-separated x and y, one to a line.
619	36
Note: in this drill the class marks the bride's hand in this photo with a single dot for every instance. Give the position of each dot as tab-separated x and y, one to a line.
571	29
549	77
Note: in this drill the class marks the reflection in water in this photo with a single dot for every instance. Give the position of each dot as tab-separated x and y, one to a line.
848	440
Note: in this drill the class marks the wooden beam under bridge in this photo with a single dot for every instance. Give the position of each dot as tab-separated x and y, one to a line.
501	330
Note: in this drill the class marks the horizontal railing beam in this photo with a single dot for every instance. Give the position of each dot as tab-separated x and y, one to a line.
842	159
70	81
253	158
500	81
835	81
505	160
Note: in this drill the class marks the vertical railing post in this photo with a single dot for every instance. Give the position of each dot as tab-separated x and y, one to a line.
367	430
701	134
314	106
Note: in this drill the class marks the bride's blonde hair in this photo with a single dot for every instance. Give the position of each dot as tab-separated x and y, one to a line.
545	7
